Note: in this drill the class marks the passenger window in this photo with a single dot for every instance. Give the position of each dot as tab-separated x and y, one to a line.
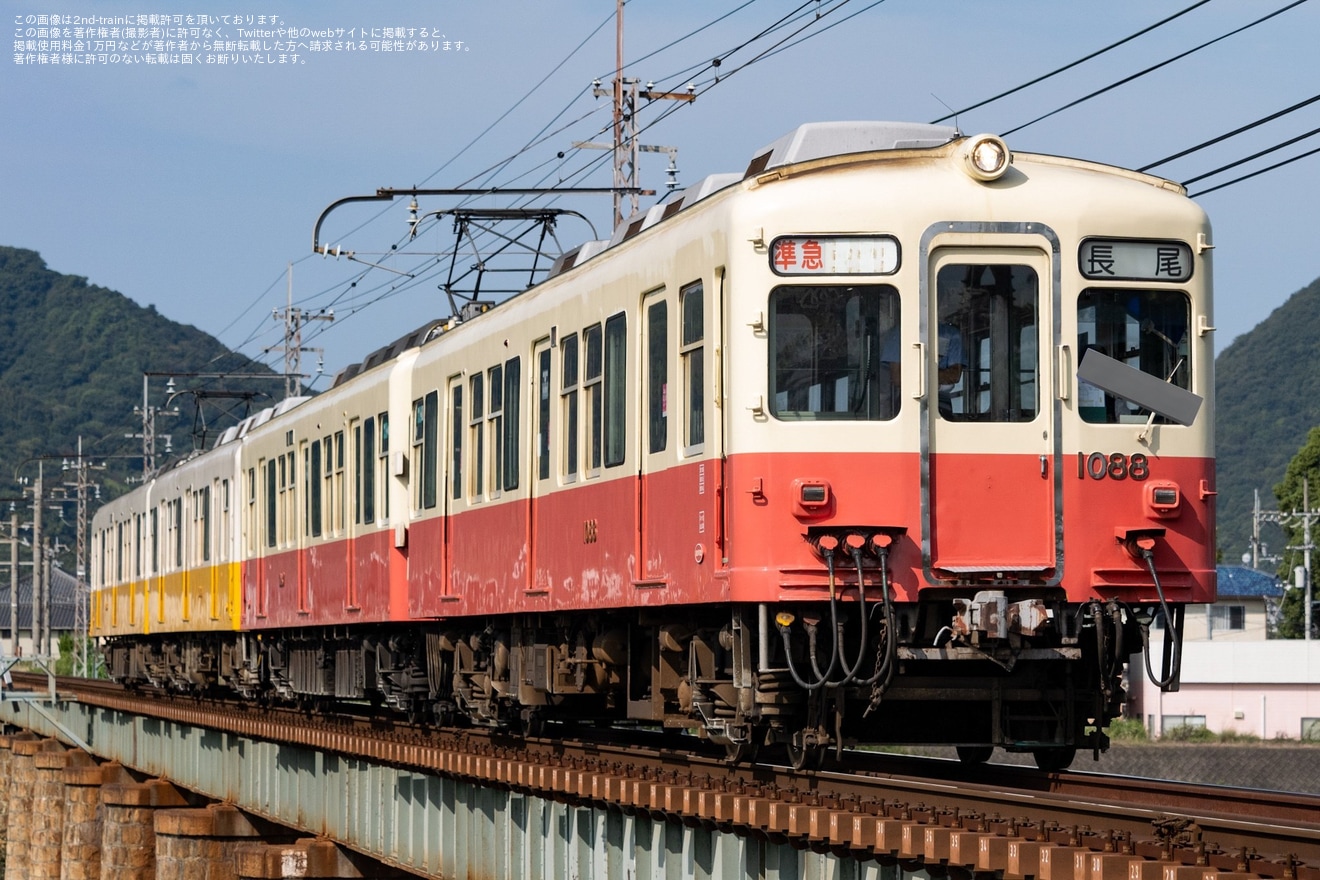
543	415
592	387
616	390
826	350
314	483
430	432
476	428
657	376
693	353
1145	329
495	423
569	405
988	342
270	501
456	433
383	463
418	452
512	420
366	464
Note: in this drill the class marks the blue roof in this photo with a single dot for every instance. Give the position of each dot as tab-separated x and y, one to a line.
1237	580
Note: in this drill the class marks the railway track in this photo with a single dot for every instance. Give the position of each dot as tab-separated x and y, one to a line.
946	816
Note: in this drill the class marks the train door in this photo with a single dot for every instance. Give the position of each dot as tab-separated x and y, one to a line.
540	531
303	524
267	540
654	435
989	321
455	480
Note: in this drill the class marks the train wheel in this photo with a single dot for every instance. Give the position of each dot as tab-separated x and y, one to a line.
532	723
739	752
974	754
804	757
1053	760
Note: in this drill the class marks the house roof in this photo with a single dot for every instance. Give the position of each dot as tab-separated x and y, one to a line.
63	593
1240	581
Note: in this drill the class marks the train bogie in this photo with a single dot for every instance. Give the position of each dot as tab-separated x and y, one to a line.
896	437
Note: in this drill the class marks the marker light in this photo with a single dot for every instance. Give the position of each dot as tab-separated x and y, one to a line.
986	157
1163	499
812	498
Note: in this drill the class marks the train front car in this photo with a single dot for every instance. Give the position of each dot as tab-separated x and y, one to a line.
969	441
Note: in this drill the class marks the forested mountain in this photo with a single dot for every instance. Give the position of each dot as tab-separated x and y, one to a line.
72	358
1267	390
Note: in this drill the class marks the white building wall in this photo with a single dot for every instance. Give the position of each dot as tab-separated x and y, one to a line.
1200	623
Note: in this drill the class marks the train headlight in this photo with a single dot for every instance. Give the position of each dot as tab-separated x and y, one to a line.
986	157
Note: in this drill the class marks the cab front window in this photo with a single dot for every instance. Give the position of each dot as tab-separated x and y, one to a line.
826	343
1145	329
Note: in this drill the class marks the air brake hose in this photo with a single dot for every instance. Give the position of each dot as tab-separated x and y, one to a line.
850	675
821	679
885	669
1172	645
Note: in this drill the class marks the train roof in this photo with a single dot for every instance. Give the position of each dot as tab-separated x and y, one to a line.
422	334
808	143
816	140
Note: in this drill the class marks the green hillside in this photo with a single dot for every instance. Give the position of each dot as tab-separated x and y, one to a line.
1267	391
72	358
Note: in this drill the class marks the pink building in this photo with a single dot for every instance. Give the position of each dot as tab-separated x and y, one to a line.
1233	677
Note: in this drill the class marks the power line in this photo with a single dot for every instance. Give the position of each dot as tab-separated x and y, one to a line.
789	18
1255	173
1237	131
1279	146
1152	68
1071	65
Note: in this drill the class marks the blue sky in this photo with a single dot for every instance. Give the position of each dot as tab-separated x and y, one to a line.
193	187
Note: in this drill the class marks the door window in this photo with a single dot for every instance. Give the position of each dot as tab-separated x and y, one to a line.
988	342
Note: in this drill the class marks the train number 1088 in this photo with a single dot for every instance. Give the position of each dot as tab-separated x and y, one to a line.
1113	466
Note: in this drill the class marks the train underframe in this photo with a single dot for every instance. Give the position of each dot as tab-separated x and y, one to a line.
975	669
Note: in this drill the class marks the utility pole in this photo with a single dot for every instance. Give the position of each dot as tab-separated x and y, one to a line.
47	556
82	597
13	582
38	563
624	93
148	413
294	319
1307	516
1306	549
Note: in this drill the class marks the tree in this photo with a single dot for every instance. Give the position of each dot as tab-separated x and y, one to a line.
1299	490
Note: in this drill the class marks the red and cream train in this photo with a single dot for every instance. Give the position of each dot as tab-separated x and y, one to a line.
807	456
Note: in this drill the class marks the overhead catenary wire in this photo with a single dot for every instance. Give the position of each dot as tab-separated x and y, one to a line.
1256	155
1069	66
790	18
717	70
1152	68
1255	173
1235	132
